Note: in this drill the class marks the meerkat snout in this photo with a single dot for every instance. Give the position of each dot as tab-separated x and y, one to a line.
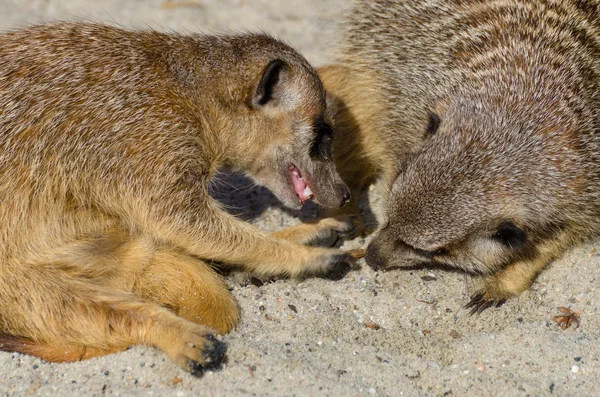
374	258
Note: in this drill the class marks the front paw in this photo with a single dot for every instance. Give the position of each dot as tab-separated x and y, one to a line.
340	265
341	224
334	264
497	289
332	229
483	300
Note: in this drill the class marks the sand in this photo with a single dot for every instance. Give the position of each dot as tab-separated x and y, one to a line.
370	334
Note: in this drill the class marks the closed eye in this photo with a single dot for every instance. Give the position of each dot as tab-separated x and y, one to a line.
432	254
424	253
323	141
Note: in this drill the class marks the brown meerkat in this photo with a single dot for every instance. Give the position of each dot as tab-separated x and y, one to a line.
108	139
485	114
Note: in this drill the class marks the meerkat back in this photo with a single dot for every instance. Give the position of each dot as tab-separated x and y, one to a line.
486	113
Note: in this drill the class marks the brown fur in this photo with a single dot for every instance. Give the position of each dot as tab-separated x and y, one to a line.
490	111
108	139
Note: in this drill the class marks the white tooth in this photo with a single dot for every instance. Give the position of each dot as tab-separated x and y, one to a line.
295	173
307	192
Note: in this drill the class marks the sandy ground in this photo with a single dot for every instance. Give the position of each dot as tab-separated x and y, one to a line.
395	333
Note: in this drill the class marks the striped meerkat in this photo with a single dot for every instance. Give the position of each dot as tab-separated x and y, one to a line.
482	119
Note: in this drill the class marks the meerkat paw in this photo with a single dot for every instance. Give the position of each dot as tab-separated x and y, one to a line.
197	351
363	225
332	229
333	264
508	283
325	232
484	300
341	224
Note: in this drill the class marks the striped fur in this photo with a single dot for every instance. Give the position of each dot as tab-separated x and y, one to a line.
515	85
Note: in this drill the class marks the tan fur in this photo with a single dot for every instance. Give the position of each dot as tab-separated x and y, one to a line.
361	155
108	140
490	111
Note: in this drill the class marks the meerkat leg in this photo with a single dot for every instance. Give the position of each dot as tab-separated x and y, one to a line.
202	229
313	232
189	287
268	255
156	273
514	279
505	284
72	315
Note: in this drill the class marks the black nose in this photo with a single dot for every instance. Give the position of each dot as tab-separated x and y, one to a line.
373	257
345	193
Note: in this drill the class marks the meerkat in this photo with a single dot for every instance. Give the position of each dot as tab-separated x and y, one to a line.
483	119
108	139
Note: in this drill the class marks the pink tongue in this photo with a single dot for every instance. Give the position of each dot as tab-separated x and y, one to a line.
299	186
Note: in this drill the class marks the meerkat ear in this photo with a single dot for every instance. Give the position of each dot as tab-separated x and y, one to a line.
269	86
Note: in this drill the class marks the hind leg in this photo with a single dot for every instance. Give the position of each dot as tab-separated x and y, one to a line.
189	287
56	316
156	273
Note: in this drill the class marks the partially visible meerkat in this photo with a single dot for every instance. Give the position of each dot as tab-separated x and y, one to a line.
486	115
108	139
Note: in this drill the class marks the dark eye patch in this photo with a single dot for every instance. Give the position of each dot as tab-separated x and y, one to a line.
510	235
321	145
433	124
432	254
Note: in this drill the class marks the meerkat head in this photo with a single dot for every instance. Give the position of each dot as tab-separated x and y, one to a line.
281	127
486	188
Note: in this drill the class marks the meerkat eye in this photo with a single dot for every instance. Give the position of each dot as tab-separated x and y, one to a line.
432	254
510	235
321	146
433	124
440	252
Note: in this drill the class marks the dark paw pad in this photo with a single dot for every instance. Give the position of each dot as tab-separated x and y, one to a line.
329	239
479	303
341	265
215	350
213	355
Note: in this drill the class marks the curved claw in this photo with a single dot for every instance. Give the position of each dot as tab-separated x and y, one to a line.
475	298
478	303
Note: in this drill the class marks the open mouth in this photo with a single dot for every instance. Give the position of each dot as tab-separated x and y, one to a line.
300	186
